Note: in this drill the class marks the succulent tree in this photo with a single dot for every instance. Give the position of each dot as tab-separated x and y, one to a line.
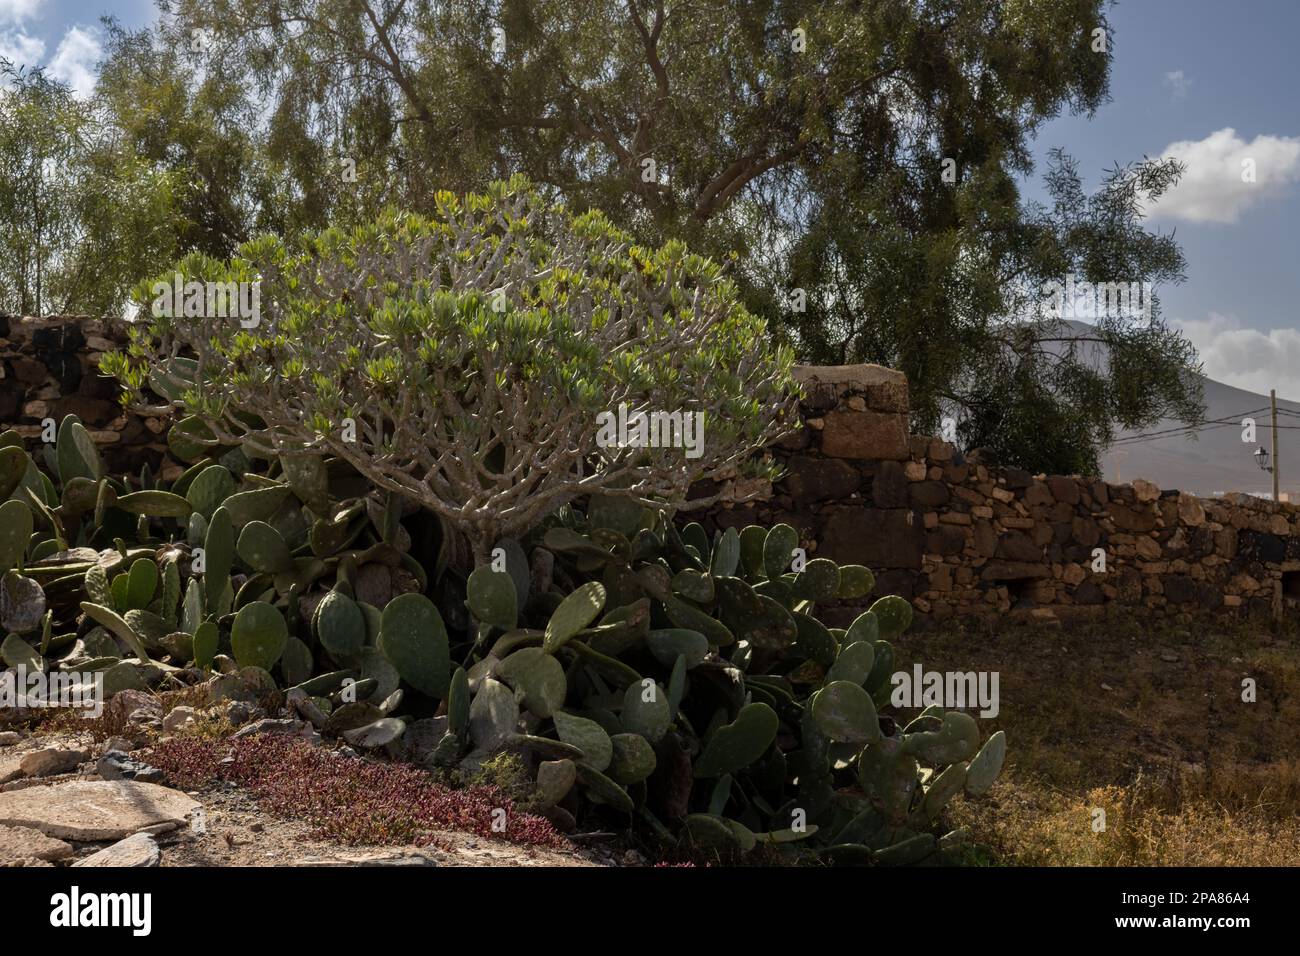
467	360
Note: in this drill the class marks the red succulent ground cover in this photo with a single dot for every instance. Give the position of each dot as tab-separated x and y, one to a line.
347	799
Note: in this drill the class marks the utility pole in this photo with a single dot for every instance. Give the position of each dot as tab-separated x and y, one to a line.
1277	457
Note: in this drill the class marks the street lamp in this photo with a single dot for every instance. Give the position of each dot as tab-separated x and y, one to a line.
1261	459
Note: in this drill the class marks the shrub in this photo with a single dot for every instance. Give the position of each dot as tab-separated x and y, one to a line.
682	683
469	360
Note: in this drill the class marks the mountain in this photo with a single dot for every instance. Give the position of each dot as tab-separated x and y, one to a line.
1214	460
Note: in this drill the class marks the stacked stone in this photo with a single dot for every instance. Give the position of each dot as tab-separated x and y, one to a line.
49	368
963	536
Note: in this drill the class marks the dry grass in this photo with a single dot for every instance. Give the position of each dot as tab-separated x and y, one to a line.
1146	724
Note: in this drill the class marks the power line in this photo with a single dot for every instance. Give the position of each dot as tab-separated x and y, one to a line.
1190	429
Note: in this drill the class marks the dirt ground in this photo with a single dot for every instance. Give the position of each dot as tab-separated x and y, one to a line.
1151	725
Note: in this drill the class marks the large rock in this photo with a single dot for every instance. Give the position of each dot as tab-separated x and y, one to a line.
878	538
1129	519
929	494
19	846
95	809
135	851
1018	546
51	760
818	479
865	435
884	389
1065	490
889	489
1014	571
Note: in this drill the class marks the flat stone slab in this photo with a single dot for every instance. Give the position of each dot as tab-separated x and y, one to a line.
138	850
11	768
95	809
22	845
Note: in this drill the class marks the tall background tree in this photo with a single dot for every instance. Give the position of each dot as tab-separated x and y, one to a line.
81	214
859	163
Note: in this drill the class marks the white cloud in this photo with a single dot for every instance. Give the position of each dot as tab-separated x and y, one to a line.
1226	175
1247	358
21	49
75	60
1178	83
15	11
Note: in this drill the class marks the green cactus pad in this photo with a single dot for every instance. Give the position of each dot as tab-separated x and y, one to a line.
906	852
258	635
740	743
866	627
854	663
888	776
855	582
339	625
259	504
693	585
141	583
492	597
600	789
882	669
16	528
18	653
493	715
646	710
414	639
778	550
815	640
308	478
555	778
844	713
942	789
818	581
96	585
537	677
616	513
218	557
633	759
666	644
205	644
458	703
154	504
957	739
711	832
151	628
76	452
213	485
894	614
574	613
757	618
986	765
109	619
13	466
588	736
726	554
295	662
752	539
569	541
263	549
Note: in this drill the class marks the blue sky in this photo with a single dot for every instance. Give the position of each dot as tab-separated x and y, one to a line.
1214	82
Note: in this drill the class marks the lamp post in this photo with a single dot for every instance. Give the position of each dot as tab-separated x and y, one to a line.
1261	459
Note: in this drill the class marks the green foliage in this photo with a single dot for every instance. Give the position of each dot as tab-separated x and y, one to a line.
393	346
630	678
83	214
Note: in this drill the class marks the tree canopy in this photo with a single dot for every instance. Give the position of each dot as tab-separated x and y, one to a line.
859	164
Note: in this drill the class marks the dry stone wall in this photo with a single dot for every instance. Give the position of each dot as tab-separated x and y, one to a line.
49	368
957	535
960	536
